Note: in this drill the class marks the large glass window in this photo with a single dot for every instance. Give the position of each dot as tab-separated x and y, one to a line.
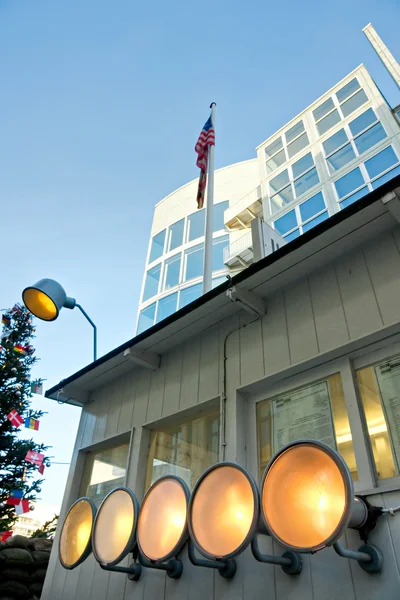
293	182
362	122
157	246
185	449
302	218
151	283
347	90
104	471
196	225
350	182
218	215
369	138
353	103
218	252
306	182
340	158
190	294
328	122
276	161
316	411
298	145
277	153
335	141
146	318
167	306
194	262
172	270
323	109
381	162
175	235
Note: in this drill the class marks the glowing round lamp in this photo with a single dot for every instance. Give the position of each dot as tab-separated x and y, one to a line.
223	511
114	529
46	298
75	539
162	527
307	496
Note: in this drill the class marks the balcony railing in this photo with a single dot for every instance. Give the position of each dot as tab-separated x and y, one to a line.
238	247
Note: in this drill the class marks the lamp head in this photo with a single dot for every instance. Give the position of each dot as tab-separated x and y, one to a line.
114	528
75	539
306	496
46	298
162	527
223	511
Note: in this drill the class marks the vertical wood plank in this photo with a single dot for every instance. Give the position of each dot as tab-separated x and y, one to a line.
154	585
327	304
383	262
232	383
100	584
230	589
259	578
275	335
90	412
294	587
251	350
331	576
173	364
115	393
86	577
390	500
209	364
359	302
71	584
117	584
190	373
102	405
300	322
141	397
128	402
156	395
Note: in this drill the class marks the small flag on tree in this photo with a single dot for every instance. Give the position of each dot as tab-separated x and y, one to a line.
5	535
15	418
18	349
15	497
22	507
41	469
34	457
6	320
31	423
37	387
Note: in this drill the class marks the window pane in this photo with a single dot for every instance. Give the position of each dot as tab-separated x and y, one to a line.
316	411
157	246
184	449
327	122
335	141
286	223
347	90
196	225
340	158
274	147
284	197
306	182
151	285
218	252
146	318
369	138
189	294
218	215
172	270
297	145
387	177
315	221
104	471
349	182
294	131
311	207
292	236
166	306
176	235
302	165
354	197
354	102
278	160
194	262
279	181
381	161
360	123
379	389
217	281
323	109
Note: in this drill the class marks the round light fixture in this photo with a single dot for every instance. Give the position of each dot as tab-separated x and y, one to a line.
46	298
223	511
75	539
307	496
162	526
114	529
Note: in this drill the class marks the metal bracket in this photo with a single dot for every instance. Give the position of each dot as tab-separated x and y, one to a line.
133	571
392	201
226	568
249	301
173	567
290	562
369	557
143	359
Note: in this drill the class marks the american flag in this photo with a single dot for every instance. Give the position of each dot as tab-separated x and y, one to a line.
206	139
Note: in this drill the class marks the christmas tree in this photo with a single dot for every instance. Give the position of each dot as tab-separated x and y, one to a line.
18	477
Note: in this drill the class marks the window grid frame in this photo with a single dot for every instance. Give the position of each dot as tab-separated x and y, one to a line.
337	105
285	146
300	222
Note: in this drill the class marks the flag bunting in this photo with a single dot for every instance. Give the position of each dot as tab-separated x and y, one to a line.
31	423
15	418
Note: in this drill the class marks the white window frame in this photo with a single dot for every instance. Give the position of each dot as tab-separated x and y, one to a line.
300	222
167	262
187	252
285	147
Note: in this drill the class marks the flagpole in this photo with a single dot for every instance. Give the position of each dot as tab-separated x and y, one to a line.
207	280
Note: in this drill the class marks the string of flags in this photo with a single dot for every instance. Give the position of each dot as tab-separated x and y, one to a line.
17	420
15	497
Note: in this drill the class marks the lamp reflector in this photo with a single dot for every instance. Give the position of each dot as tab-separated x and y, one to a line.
39	304
75	543
114	529
162	527
306	496
223	511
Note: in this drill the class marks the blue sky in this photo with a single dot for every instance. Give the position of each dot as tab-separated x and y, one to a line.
101	104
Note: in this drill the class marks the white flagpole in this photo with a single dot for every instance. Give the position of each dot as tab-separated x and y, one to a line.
207	280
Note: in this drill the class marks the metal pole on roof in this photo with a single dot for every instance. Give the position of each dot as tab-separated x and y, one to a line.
387	58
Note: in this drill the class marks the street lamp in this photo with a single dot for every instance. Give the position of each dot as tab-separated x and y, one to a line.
47	297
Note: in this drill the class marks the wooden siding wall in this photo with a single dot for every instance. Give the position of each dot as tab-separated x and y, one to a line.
346	301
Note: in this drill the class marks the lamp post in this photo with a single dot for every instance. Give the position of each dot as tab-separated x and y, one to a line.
47	297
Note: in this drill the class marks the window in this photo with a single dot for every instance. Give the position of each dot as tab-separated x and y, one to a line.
379	388
293	182
184	449
190	294
323	109
196	225
347	90
353	103
305	182
146	318
218	215
103	471
194	262
366	119
157	246
276	161
349	182
350	199
172	271
217	281
340	158
304	216
152	281
295	147
316	411
369	138
335	141
175	235
276	153
349	98
218	246
167	306
381	162
328	122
